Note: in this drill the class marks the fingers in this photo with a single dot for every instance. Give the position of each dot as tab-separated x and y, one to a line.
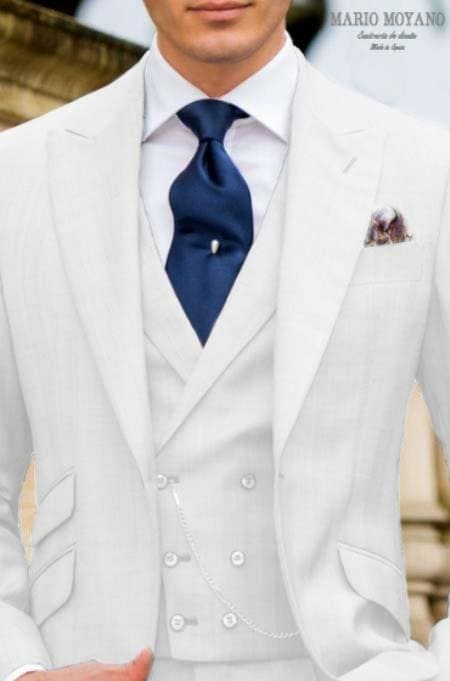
139	668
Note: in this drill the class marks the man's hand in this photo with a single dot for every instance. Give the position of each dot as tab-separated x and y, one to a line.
136	670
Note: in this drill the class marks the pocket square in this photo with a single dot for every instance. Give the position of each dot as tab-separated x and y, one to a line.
387	226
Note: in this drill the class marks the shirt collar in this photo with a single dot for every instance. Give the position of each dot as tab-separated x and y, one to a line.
266	96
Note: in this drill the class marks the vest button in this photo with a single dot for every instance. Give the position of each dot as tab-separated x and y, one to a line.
162	481
238	558
170	559
248	481
229	620
177	622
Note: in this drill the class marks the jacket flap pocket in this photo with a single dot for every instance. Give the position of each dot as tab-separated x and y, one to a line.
55	507
390	263
377	579
52	585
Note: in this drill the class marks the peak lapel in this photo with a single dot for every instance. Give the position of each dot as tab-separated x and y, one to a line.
332	180
94	194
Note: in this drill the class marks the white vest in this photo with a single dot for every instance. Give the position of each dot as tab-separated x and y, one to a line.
223	597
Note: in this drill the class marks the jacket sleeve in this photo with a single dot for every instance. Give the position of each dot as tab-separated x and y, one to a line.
17	673
433	376
20	640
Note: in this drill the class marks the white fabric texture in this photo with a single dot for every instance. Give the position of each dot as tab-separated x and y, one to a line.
355	326
24	670
286	670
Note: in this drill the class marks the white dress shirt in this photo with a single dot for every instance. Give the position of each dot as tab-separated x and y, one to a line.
257	145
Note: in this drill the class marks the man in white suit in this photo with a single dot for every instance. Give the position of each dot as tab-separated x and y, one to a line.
221	275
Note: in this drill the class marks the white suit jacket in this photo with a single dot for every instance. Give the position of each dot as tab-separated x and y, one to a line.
355	326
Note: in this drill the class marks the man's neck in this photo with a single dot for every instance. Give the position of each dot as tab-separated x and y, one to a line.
215	79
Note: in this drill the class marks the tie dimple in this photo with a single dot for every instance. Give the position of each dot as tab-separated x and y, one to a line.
213	217
210	118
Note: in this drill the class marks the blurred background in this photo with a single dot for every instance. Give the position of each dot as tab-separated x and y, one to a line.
414	80
53	51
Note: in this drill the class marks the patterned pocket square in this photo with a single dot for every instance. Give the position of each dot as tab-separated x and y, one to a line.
387	226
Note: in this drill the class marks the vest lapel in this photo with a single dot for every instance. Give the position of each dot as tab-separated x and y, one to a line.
94	191
331	189
165	322
250	304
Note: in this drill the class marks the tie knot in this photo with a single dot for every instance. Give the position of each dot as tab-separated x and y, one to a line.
210	118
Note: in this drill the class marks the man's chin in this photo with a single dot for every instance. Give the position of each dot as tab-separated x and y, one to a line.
220	49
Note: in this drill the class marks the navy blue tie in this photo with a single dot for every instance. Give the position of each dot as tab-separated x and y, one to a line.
213	218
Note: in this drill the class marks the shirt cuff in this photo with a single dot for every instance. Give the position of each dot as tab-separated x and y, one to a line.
24	670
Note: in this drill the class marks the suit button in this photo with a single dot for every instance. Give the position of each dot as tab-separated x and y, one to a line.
238	558
177	622
229	620
162	481
248	481
170	559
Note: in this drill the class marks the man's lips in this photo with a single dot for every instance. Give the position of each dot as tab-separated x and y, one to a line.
220	10
219	6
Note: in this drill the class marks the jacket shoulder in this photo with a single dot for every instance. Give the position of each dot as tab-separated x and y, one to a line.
25	143
91	110
24	148
349	108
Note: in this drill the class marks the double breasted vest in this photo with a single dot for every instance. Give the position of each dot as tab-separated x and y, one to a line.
222	593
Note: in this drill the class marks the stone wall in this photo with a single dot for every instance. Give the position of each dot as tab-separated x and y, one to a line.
47	59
